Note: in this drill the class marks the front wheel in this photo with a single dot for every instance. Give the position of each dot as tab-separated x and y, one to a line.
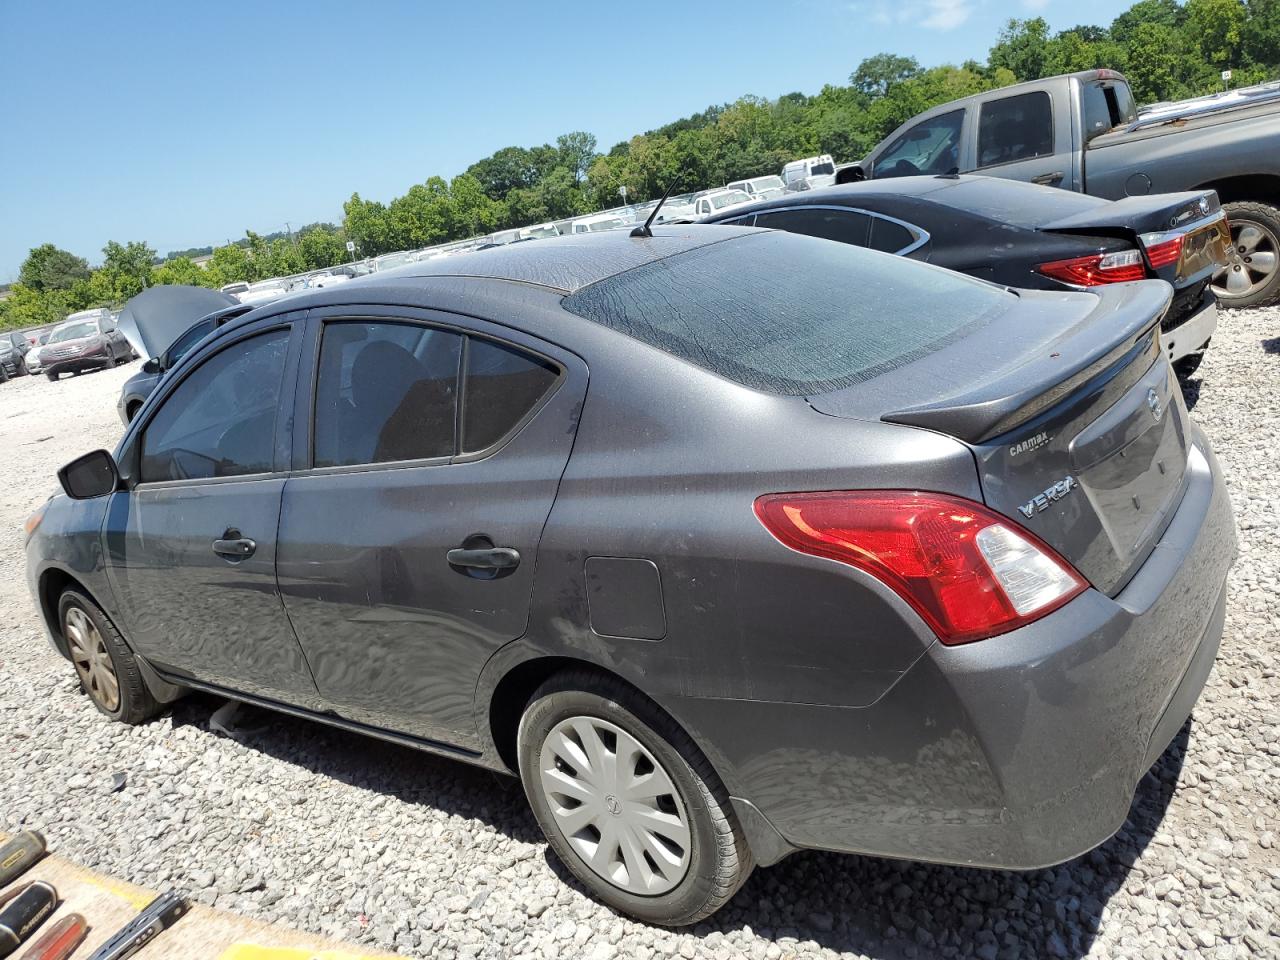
107	668
628	802
1252	275
51	375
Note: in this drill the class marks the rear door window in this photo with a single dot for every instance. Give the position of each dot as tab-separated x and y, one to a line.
843	226
503	387
385	392
1015	128
791	314
220	421
889	237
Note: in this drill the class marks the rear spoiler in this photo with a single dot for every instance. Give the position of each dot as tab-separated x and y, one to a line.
1114	334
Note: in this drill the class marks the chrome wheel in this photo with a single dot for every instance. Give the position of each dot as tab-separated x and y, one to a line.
91	659
615	805
1252	260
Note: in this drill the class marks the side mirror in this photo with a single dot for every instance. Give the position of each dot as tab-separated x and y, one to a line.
92	475
153	366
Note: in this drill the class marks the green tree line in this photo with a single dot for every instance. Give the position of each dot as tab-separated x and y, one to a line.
1168	50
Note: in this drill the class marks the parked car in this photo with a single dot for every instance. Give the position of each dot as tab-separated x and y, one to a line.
1023	235
833	550
809	173
13	351
1082	132
135	390
32	359
716	201
88	340
596	223
760	188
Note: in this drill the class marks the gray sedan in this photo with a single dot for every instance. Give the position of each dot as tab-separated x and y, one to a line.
728	542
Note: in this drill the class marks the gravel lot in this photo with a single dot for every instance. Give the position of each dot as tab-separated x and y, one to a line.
339	835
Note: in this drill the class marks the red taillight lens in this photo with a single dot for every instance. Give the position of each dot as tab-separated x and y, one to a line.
1121	267
963	568
1164	253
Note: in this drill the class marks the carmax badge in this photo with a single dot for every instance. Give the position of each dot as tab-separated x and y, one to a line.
1040	502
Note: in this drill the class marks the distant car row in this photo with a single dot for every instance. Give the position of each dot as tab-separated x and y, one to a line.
87	340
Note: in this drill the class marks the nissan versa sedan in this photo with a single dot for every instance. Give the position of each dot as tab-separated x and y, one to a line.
727	541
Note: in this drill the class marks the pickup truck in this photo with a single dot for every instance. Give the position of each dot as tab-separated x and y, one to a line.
1083	132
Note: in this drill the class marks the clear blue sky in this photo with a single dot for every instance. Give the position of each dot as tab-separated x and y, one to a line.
183	124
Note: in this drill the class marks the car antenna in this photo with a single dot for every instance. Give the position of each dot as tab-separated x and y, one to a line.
644	230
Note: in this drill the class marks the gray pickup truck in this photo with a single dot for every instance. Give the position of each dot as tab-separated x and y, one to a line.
1083	132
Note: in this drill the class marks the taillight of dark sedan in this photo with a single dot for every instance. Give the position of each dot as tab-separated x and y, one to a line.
833	549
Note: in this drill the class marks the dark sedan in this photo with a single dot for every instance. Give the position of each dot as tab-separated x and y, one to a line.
85	341
1029	236
727	541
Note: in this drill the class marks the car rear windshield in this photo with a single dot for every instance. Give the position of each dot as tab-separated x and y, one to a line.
791	314
1010	201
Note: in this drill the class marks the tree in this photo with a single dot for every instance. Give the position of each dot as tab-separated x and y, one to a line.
876	75
577	151
1022	48
1216	29
49	268
180	270
1154	54
126	268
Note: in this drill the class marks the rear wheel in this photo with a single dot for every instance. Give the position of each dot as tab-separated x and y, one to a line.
51	375
628	802
1252	274
107	669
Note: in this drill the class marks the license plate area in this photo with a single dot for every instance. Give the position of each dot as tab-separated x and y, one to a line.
1204	248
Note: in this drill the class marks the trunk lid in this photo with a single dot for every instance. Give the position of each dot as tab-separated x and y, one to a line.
1073	415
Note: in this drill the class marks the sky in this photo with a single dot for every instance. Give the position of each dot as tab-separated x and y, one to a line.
183	125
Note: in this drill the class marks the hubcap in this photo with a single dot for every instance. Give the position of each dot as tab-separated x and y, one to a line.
615	805
93	663
1251	261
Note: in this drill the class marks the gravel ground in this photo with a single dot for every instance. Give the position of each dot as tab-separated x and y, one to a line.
325	831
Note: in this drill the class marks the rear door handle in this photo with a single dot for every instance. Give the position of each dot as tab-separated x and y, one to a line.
236	549
490	558
1049	179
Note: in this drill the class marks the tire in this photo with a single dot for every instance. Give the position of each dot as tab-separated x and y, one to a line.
1258	226
90	638
131	411
51	376
707	861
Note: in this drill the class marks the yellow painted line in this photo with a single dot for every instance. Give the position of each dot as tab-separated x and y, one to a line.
250	951
130	895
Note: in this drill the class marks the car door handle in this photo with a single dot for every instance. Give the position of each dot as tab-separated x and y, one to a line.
1049	179
236	549
489	558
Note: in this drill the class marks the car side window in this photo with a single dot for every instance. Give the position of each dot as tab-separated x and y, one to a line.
220	421
888	236
931	146
843	226
503	385
385	392
1015	128
188	340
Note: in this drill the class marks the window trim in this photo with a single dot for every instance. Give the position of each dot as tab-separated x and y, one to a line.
137	434
921	236
1053	132
308	467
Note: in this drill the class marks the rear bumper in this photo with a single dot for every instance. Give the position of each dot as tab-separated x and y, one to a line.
1191	335
1019	751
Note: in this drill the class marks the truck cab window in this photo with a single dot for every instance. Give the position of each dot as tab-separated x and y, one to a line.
931	146
1015	128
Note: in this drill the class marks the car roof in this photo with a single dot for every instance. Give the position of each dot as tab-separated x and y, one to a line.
564	264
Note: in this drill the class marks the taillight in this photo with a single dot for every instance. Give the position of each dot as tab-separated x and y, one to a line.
963	568
1166	252
1091	271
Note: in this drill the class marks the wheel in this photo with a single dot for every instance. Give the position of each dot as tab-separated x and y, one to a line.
131	410
107	669
628	802
1252	277
51	375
